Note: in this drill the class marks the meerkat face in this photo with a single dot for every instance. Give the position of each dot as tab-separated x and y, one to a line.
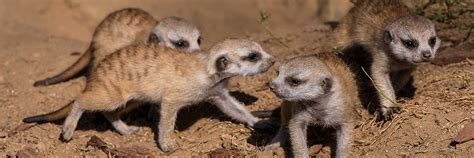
412	39
177	33
240	57
302	78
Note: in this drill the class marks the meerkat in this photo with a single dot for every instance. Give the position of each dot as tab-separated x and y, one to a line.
127	27
148	72
383	39
316	89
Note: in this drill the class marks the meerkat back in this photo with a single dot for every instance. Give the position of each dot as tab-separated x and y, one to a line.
367	19
128	27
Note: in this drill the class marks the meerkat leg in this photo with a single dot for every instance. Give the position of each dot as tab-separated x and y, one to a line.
343	135
168	114
385	90
71	121
297	136
237	111
281	138
119	125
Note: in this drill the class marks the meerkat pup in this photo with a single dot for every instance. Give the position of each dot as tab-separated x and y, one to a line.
127	27
149	72
317	89
383	39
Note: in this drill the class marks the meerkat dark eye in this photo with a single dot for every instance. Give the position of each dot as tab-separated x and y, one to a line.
253	57
432	41
199	40
181	44
410	44
294	81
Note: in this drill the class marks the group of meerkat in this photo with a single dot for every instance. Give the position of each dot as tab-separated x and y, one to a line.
380	41
133	59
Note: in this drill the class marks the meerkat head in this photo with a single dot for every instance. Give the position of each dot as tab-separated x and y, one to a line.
302	78
177	33
413	39
239	57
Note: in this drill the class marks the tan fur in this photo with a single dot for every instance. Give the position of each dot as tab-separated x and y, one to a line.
329	104
171	78
381	28
119	29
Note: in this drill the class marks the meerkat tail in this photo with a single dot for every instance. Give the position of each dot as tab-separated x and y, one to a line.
75	70
50	117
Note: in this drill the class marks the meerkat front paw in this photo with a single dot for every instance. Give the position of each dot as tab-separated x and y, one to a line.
66	134
168	146
129	130
386	113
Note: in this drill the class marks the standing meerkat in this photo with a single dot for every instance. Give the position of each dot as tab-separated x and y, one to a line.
318	89
127	27
171	78
385	39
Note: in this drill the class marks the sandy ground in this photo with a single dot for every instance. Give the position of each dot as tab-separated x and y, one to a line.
38	37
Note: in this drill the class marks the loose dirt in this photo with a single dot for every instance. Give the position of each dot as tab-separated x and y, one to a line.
38	38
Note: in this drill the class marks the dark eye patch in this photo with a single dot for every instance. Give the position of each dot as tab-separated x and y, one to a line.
253	57
293	81
432	41
410	44
181	44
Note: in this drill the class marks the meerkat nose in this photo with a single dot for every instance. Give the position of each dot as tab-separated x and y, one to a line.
426	54
272	60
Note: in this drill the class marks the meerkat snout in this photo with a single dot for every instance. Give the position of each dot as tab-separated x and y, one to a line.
247	58
178	33
412	38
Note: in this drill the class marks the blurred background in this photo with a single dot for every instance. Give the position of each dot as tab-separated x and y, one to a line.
77	19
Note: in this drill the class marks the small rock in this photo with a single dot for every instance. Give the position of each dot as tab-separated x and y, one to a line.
465	134
454	54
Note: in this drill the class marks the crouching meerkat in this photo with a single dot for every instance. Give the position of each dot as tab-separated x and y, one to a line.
174	79
387	41
127	27
317	89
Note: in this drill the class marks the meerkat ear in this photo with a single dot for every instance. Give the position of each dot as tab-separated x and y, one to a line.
387	37
222	63
326	84
153	38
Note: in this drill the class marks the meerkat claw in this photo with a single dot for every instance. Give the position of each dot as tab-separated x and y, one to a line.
169	148
388	113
